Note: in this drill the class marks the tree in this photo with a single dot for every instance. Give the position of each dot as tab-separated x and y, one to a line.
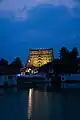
69	60
64	52
3	66
74	53
3	62
16	65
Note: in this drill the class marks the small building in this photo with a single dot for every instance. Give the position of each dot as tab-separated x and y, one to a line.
29	69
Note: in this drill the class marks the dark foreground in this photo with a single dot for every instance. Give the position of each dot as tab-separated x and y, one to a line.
40	103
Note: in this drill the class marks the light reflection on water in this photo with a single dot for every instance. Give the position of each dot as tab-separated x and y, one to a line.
30	104
53	105
44	103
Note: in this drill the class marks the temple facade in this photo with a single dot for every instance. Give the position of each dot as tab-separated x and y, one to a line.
39	57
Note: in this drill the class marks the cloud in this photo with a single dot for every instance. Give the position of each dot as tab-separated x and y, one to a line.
52	27
18	9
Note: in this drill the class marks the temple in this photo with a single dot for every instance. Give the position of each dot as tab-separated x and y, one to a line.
38	57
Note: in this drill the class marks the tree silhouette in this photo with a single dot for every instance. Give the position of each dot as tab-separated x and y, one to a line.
63	53
74	53
68	62
3	66
16	65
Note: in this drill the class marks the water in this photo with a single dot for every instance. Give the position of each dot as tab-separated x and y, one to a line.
40	103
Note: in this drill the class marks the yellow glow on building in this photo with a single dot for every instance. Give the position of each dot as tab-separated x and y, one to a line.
39	57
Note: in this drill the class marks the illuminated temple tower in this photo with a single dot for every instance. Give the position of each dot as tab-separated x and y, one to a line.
39	57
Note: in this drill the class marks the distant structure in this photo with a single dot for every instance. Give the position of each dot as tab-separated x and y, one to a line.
39	57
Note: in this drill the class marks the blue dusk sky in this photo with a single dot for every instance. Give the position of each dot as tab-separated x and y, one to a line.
28	24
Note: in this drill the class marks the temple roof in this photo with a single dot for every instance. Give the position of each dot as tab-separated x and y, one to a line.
38	49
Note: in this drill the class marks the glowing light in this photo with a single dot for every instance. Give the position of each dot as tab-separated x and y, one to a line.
40	56
29	69
29	61
18	74
30	104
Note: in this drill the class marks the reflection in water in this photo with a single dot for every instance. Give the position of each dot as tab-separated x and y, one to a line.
44	103
30	104
70	85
